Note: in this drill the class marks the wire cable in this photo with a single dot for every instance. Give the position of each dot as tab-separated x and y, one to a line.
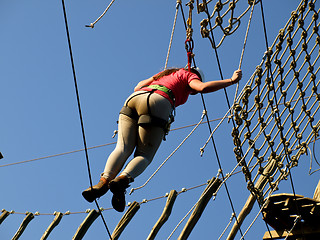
80	112
214	146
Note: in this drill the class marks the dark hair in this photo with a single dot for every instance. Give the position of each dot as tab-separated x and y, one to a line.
166	73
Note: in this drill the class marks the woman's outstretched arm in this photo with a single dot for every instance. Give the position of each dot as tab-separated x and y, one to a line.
143	83
212	86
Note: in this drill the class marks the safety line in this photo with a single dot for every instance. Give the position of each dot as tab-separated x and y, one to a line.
315	158
56	155
80	113
172	32
214	146
261	208
174	151
193	207
244	46
209	126
112	143
105	11
183	190
246	36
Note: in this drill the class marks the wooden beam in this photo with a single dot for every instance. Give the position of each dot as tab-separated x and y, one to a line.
23	225
55	222
84	226
124	221
316	194
260	184
164	216
275	235
4	215
307	232
200	206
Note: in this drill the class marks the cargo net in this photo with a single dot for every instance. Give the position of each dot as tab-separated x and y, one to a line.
277	114
222	20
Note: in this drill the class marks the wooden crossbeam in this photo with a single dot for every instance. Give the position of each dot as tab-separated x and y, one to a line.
84	226
4	215
124	221
165	214
23	225
201	205
306	232
55	222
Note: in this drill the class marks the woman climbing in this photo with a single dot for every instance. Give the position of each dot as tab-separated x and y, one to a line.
143	123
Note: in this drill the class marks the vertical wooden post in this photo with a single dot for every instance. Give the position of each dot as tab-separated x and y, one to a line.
124	221
164	216
4	215
23	225
316	195
55	222
260	184
84	226
201	205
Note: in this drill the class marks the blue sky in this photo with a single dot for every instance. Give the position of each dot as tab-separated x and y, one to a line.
39	115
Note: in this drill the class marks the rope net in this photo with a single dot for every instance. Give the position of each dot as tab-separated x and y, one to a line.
223	15
275	113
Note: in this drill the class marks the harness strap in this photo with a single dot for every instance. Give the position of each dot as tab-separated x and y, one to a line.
155	121
125	110
135	96
149	119
165	90
143	119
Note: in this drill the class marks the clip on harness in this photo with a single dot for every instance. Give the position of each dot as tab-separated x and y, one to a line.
148	119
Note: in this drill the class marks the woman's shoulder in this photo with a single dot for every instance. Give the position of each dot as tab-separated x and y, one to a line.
186	74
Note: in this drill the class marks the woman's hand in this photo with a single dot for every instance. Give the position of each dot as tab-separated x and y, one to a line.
211	86
237	75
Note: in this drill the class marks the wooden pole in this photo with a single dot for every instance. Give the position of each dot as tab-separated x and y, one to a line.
4	215
55	222
84	226
164	216
124	221
23	225
260	184
316	195
200	206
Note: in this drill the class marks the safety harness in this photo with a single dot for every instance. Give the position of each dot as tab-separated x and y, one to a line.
149	119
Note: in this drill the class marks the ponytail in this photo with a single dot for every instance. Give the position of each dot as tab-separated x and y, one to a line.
165	73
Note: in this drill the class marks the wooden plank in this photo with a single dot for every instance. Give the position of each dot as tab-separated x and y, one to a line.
307	232
200	206
23	225
275	235
4	215
84	226
164	216
260	184
124	221
316	194
55	222
281	210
